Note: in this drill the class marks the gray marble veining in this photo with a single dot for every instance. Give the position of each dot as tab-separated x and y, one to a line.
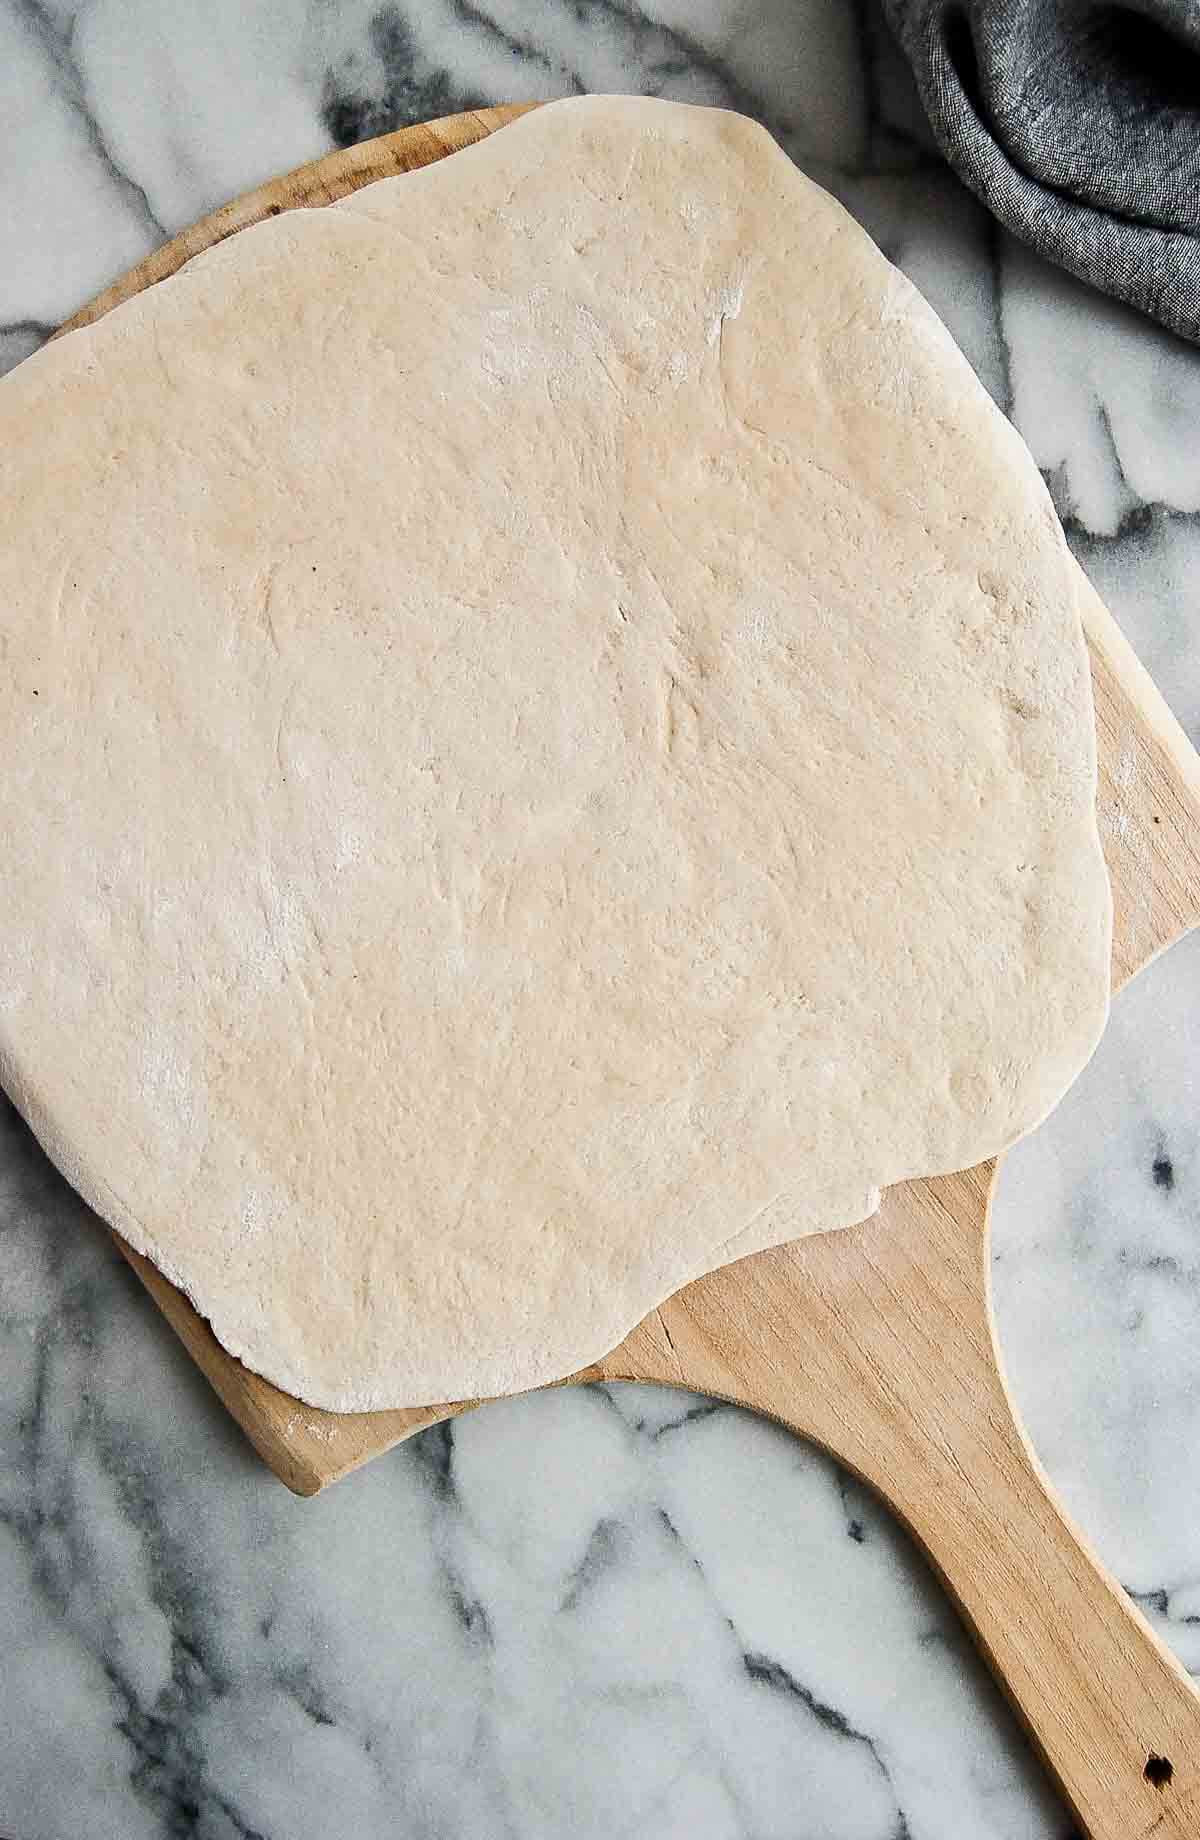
616	1612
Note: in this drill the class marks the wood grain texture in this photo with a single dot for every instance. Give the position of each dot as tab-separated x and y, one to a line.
876	1342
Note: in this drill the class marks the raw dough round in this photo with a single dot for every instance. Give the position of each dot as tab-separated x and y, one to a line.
547	744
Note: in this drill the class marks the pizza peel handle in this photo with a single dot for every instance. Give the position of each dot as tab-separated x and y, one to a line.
876	1342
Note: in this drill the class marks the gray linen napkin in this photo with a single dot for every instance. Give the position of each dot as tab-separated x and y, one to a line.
1078	124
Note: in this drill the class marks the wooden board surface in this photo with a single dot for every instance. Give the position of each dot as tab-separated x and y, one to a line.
877	1342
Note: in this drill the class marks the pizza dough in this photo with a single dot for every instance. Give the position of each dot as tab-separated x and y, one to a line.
546	745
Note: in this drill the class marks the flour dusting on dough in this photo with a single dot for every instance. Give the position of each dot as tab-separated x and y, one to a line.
577	766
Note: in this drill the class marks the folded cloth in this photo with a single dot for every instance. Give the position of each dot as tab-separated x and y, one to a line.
1078	124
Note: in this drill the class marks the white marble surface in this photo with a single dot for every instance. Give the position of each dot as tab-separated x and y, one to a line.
619	1613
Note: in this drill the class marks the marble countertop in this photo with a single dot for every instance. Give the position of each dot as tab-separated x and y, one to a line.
614	1612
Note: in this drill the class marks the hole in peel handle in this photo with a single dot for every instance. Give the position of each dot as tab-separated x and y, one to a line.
878	1344
1107	1706
1110	1710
